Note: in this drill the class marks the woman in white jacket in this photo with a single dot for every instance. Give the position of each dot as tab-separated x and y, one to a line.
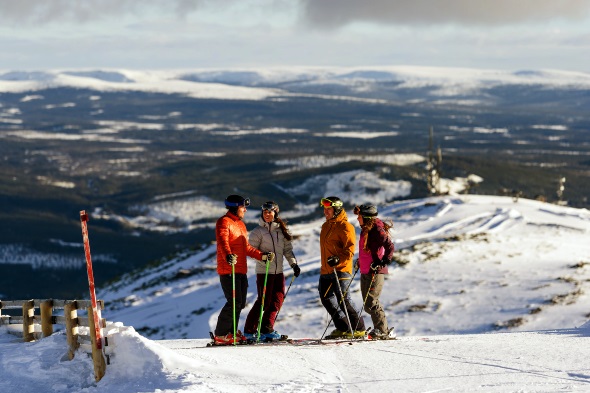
271	235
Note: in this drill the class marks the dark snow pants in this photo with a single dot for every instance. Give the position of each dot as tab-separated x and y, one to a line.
335	305
371	293
225	321
273	300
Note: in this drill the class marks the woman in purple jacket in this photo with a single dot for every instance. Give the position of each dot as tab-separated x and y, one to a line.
375	253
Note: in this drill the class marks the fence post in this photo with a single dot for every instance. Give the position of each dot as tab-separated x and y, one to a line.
71	315
46	308
29	321
97	356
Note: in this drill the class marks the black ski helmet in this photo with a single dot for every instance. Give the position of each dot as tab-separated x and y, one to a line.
336	203
270	205
233	201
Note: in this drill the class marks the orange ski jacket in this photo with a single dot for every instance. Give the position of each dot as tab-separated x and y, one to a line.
232	238
337	238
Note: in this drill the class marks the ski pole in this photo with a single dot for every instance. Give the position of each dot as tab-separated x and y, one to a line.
365	301
345	308
262	304
331	316
345	292
277	316
233	284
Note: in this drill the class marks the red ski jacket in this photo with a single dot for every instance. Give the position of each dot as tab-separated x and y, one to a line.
232	238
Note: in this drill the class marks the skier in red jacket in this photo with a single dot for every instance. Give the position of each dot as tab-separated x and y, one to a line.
232	250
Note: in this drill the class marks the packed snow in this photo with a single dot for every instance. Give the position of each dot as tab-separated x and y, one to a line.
542	361
490	294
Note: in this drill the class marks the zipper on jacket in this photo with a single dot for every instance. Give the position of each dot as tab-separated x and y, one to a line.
273	245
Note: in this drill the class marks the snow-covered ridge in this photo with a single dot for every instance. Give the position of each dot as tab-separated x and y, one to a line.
264	83
183	212
146	81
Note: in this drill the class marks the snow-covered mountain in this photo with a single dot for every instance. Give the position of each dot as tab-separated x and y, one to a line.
468	86
467	264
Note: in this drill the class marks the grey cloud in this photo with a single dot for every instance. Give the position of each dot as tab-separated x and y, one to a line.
319	13
54	11
336	13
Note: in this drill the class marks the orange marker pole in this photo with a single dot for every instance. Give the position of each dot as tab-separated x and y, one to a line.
95	311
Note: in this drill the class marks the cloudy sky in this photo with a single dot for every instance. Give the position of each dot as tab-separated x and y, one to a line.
166	34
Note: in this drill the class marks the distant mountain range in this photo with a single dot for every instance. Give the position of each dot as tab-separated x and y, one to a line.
431	84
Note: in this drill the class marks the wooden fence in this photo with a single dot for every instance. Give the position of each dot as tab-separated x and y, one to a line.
46	321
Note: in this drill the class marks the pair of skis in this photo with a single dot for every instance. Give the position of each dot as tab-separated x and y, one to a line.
300	342
341	340
285	340
368	336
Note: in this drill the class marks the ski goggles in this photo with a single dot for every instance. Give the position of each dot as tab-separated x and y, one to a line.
245	202
273	207
326	203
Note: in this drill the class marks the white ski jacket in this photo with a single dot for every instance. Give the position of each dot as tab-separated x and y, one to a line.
269	237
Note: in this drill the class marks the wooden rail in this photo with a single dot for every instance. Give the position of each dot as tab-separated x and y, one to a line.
47	320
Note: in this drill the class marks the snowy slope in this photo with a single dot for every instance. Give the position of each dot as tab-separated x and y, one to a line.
491	296
543	361
468	264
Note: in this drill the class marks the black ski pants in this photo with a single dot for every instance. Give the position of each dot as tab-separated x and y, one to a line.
335	304
225	321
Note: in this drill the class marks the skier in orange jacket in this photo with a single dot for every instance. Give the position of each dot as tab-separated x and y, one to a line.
337	246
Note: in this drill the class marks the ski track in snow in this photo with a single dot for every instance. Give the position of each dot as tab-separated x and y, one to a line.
493	362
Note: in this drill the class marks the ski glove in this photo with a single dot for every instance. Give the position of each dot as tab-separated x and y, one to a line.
232	259
376	266
333	260
296	270
268	257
